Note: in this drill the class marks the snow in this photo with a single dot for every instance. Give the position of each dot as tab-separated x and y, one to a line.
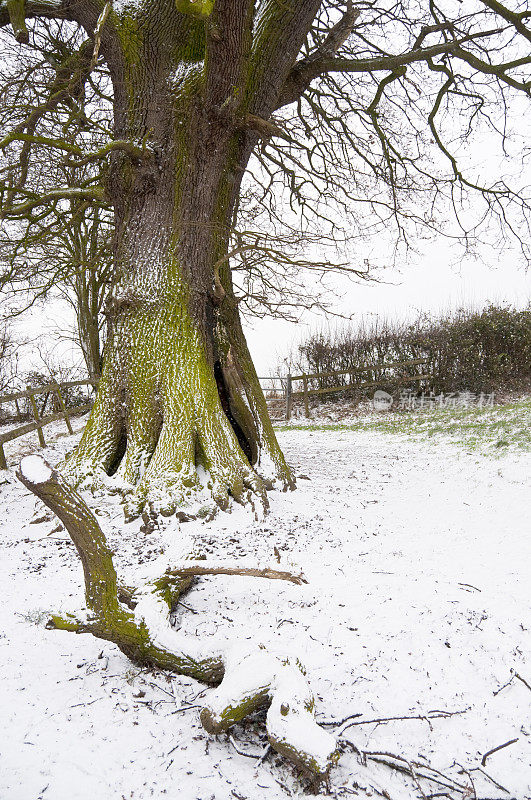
35	469
129	7
417	557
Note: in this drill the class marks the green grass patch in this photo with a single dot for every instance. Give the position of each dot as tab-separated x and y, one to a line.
494	431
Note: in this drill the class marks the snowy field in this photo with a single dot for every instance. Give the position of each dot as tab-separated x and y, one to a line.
418	560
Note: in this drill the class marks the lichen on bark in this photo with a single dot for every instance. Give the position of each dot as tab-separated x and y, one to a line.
180	420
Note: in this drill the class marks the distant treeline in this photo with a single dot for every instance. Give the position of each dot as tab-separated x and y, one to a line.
478	351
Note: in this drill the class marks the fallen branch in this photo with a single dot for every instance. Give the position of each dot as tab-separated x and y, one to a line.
247	680
495	750
217	568
425	717
412	768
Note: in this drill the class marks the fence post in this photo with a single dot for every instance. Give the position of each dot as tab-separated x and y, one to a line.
305	390
3	462
37	418
19	415
63	409
288	397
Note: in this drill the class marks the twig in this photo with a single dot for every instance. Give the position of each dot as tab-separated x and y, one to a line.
413	769
429	715
340	721
243	752
405	766
466	772
187	607
156	686
184	708
505	685
486	774
495	750
415	778
206	568
516	675
76	705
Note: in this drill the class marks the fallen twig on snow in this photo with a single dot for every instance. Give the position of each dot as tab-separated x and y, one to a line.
495	750
339	721
514	674
517	675
257	756
423	717
413	769
490	778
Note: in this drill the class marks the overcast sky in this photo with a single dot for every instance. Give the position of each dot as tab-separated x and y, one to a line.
434	282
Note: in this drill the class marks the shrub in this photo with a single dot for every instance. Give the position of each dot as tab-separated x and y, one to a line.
479	351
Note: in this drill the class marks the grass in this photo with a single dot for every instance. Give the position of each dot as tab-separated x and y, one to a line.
494	431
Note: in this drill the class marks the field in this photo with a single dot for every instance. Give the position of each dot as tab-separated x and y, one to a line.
413	532
495	430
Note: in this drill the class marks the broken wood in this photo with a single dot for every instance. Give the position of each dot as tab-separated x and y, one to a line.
217	568
248	679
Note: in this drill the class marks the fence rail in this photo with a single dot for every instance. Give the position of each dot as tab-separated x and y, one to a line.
306	391
40	422
286	385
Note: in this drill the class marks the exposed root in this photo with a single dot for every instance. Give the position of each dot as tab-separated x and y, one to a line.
248	680
189	461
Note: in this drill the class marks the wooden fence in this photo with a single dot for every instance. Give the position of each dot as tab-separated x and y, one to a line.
285	383
353	383
40	422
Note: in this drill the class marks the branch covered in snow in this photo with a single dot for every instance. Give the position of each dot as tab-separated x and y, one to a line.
248	680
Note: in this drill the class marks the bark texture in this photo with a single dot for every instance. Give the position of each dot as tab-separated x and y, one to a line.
180	416
248	678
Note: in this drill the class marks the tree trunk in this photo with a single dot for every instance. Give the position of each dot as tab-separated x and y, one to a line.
180	417
88	325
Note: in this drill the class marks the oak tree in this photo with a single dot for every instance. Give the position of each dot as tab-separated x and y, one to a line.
345	105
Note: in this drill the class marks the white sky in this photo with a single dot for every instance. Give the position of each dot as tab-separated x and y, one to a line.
429	283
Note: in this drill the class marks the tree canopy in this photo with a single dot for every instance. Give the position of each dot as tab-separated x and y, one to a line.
369	125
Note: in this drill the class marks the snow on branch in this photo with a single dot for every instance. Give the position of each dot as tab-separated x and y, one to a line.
249	679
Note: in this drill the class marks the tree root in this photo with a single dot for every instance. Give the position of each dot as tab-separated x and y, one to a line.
247	680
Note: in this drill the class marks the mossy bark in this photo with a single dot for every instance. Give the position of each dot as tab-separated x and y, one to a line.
179	408
248	679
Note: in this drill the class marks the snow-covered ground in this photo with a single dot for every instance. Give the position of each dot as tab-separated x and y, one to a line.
418	560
